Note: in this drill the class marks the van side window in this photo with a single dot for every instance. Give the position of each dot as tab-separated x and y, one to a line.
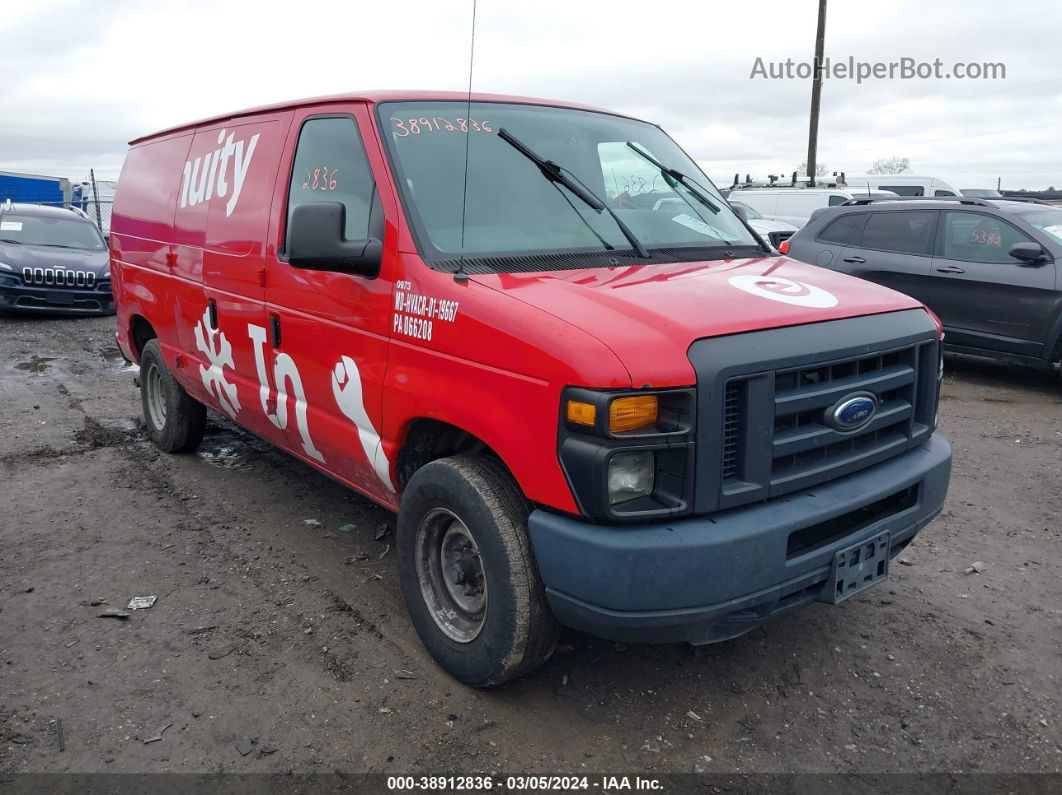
976	237
940	192
841	229
907	232
904	190
837	200
330	166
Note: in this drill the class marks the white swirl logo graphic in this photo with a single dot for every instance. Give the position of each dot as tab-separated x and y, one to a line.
785	290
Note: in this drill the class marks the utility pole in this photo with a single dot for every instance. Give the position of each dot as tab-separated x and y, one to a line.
816	93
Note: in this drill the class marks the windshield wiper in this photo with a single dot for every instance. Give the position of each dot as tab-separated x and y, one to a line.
670	174
563	176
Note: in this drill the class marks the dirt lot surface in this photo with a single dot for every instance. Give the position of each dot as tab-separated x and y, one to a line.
279	624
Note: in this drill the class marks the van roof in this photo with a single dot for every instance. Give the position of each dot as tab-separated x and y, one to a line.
372	97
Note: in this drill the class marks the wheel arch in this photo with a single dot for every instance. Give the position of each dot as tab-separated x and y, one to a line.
424	439
140	333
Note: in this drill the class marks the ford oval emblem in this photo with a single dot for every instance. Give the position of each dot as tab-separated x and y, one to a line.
852	412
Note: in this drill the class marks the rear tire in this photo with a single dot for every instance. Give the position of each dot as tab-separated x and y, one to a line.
468	573
175	421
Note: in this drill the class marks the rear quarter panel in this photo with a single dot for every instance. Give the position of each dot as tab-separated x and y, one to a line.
141	240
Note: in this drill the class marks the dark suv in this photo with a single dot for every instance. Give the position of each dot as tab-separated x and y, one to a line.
52	260
988	268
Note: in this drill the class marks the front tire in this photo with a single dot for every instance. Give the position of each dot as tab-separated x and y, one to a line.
175	421
468	573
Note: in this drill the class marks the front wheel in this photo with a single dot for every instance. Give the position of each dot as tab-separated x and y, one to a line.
468	573
175	421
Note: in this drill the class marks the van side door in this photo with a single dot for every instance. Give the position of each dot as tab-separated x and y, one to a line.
222	222
895	248
763	203
986	298
794	207
327	334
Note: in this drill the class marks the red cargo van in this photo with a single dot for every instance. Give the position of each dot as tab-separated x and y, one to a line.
539	334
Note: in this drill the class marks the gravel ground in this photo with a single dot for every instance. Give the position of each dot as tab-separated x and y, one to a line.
279	625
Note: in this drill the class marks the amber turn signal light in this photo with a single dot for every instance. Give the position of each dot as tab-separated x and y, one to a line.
632	413
582	413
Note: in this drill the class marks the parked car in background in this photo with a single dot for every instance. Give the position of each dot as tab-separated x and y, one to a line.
981	193
52	260
900	184
988	268
790	205
774	232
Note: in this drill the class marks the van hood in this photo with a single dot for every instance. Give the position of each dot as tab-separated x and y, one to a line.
649	315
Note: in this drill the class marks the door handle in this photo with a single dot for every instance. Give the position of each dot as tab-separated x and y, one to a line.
212	313
856	260
274	328
951	269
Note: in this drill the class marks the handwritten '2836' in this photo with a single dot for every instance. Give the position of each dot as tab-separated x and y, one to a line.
322	179
405	127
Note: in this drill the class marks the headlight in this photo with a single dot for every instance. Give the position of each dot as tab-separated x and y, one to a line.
630	475
628	454
6	267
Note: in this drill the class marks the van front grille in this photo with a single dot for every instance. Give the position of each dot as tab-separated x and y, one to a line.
781	398
806	448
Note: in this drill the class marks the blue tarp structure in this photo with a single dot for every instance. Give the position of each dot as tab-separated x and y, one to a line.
35	188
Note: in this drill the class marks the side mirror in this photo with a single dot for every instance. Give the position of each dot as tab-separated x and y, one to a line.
1028	253
316	242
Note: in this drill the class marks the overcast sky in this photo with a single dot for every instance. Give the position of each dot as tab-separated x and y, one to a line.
82	77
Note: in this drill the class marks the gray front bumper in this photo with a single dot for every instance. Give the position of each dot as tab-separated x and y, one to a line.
709	578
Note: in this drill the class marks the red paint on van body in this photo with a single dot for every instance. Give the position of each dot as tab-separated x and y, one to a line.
496	372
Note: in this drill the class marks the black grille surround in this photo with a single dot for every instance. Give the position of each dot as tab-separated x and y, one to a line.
770	397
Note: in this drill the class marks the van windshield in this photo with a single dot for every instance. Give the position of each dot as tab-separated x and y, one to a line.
511	210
